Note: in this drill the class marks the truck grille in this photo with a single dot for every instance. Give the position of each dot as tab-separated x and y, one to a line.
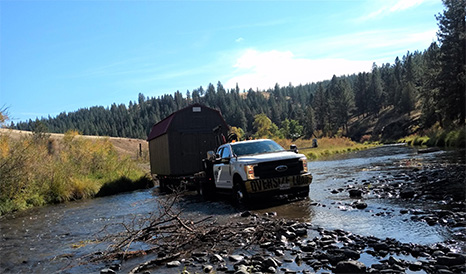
268	169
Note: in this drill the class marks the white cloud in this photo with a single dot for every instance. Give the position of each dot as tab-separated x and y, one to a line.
405	4
386	7
263	69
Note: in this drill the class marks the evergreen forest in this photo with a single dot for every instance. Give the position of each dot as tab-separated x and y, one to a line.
428	85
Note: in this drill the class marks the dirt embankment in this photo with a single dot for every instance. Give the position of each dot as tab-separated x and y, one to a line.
135	148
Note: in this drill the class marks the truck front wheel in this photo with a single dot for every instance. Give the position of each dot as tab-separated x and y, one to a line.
239	194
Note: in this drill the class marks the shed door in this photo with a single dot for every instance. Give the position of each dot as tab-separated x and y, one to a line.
189	153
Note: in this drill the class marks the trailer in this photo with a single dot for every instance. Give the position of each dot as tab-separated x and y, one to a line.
179	143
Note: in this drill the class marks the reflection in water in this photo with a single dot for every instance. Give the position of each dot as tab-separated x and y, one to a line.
299	210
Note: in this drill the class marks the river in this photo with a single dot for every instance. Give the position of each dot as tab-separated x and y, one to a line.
57	238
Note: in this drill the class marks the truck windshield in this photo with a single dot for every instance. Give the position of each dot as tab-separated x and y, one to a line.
249	148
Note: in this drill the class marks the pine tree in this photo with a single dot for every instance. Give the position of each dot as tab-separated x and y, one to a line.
375	91
452	78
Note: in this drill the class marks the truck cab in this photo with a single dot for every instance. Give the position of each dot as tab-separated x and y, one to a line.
248	169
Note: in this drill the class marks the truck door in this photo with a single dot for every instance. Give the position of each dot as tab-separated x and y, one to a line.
222	170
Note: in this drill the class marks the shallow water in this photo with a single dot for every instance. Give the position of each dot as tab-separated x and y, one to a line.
57	238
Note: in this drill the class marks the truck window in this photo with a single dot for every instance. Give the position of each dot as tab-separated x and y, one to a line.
256	147
225	153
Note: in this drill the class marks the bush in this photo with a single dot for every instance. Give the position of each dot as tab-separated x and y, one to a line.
436	136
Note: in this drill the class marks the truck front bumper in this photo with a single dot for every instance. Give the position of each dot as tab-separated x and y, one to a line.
280	185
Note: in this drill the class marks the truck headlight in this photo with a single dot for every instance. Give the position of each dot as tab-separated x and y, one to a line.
249	169
304	161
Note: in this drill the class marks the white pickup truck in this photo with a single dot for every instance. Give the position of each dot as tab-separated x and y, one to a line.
248	169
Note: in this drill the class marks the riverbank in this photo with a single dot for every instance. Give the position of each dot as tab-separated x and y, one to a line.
326	146
41	168
437	137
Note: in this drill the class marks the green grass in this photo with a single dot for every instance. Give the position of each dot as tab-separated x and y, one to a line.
436	136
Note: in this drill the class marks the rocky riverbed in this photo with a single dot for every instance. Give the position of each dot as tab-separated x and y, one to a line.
442	187
265	243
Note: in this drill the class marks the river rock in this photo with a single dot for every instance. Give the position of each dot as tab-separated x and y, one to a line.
449	261
207	268
335	256
355	193
407	193
236	258
271	262
359	204
351	254
241	269
380	246
174	264
350	267
415	266
216	258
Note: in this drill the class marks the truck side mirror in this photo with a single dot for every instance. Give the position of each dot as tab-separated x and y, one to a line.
294	148
211	155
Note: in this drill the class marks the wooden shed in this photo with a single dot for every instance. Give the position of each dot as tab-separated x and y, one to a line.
178	143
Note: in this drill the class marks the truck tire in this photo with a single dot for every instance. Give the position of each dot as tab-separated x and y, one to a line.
239	195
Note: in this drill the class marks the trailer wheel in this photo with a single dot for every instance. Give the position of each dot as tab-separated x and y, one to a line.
207	190
164	185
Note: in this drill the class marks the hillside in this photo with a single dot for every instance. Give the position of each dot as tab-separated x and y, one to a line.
388	126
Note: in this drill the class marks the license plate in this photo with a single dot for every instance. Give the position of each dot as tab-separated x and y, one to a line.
285	185
282	183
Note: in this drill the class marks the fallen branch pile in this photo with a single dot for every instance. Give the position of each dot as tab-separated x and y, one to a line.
170	235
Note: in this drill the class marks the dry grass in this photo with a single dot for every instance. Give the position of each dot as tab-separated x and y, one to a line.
124	146
42	168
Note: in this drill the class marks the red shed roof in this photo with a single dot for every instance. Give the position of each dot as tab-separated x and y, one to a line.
160	128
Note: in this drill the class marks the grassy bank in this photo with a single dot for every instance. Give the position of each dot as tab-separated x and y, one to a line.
438	137
326	146
36	170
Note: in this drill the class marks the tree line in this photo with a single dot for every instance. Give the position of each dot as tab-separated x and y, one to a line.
431	82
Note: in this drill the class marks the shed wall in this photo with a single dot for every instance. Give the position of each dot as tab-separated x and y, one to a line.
159	155
189	136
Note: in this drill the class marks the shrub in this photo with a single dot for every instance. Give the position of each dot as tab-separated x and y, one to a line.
33	174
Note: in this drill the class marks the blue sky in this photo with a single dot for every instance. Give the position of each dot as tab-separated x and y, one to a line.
59	56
